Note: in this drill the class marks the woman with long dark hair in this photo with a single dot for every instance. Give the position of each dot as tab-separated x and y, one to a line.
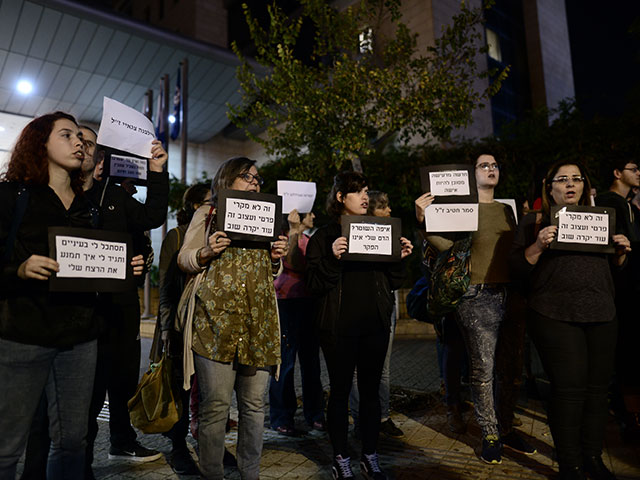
47	339
236	336
354	315
572	322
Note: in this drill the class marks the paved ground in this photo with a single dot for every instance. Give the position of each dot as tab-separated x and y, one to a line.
427	450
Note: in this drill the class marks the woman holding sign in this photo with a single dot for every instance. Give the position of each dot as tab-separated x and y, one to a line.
355	307
572	322
47	339
236	336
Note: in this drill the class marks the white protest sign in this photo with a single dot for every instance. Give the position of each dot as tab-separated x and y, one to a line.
297	195
250	216
450	182
89	258
130	167
370	238
451	217
126	129
583	227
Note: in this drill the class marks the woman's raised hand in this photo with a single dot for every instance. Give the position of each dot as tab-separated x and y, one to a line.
218	242
158	156
422	202
407	247
339	247
137	263
546	236
37	267
280	248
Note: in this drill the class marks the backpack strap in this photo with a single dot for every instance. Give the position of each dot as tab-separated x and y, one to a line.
22	201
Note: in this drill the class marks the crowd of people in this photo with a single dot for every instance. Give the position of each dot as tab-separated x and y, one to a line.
260	305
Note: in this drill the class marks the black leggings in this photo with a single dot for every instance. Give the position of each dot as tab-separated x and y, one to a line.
578	358
343	355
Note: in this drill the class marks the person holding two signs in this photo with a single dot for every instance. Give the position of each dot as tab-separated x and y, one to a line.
572	322
236	335
355	307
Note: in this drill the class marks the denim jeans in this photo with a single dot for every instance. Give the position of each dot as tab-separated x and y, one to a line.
216	382
298	339
384	392
66	375
479	315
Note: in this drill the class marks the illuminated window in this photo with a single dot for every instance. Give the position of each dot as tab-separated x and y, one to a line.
493	42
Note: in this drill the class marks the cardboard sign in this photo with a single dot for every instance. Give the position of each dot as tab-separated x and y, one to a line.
297	195
125	129
90	260
583	228
372	239
453	183
249	216
451	217
120	166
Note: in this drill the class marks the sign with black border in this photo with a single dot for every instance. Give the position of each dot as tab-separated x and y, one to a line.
451	183
583	228
91	260
249	216
367	235
121	166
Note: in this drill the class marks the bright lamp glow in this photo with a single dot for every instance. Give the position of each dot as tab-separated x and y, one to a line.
25	87
1	129
172	119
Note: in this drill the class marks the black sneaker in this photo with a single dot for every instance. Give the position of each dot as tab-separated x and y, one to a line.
181	462
390	429
491	450
134	452
370	468
341	468
517	443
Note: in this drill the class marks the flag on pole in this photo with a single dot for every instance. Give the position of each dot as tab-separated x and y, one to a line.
161	119
175	127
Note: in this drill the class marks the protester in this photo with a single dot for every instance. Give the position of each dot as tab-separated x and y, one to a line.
296	307
572	322
47	339
481	309
625	176
379	207
236	337
356	302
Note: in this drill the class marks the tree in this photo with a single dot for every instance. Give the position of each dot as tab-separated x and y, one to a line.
359	87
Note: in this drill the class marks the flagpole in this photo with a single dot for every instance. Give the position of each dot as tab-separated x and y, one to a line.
164	84
184	96
148	111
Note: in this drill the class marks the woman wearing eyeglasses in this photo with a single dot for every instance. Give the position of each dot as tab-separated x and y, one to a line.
572	322
236	335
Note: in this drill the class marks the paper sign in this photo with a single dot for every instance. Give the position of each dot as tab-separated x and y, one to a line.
582	227
129	167
453	183
451	217
249	215
126	129
90	260
297	195
370	238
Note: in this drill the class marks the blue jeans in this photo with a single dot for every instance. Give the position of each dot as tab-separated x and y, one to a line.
216	382
66	376
479	315
384	391
298	337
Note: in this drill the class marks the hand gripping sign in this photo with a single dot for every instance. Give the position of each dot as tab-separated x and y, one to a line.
249	216
372	239
584	228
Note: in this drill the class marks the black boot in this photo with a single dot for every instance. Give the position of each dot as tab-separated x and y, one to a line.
596	468
571	473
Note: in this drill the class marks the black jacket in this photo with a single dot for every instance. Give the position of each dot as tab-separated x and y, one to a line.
29	313
324	280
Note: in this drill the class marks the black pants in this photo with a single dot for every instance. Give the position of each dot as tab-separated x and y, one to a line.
578	358
454	359
117	369
343	355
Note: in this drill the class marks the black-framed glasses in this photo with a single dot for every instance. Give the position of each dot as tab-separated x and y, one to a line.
565	179
488	166
632	169
250	177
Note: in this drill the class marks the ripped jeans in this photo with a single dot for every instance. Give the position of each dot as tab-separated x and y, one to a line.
479	315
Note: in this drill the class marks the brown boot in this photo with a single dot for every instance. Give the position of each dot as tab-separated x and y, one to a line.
454	419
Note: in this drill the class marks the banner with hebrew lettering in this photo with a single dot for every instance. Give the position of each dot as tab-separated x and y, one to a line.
372	239
90	260
249	216
584	228
452	183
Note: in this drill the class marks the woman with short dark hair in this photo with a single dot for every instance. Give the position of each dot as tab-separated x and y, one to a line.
354	322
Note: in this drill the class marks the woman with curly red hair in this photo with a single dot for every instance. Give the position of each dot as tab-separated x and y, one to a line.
47	339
